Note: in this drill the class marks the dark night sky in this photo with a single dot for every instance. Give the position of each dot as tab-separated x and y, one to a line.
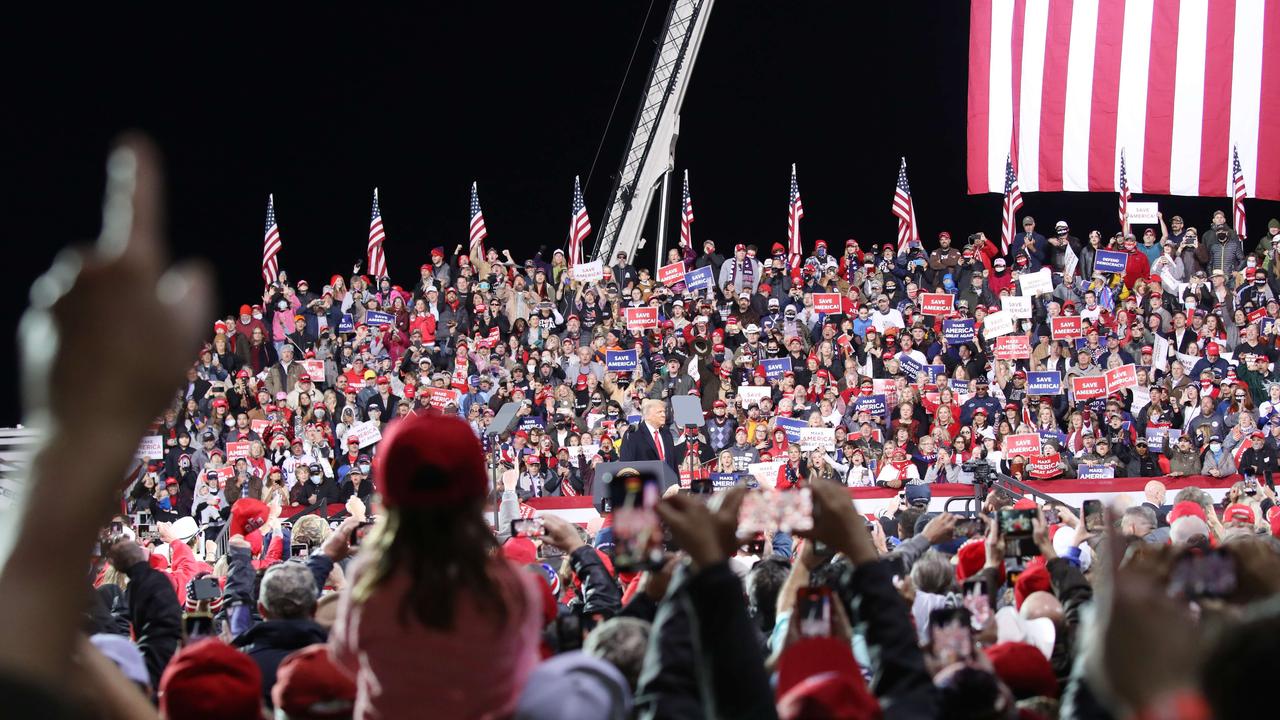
320	105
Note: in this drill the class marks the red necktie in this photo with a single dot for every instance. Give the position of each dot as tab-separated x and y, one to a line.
657	440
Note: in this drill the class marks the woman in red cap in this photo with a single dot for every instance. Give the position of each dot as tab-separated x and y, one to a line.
435	615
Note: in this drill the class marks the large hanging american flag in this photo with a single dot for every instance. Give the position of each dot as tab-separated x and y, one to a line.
1012	203
1238	193
478	230
271	245
686	214
377	257
1174	83
905	209
1123	187
579	225
795	211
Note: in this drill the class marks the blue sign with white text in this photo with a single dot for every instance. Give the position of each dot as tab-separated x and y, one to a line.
957	332
873	404
346	324
699	279
531	421
620	360
792	426
1044	383
1096	472
1112	261
933	372
775	367
376	319
910	366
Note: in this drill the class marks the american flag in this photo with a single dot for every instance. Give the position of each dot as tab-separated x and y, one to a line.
686	214
1124	194
795	211
905	210
377	258
1238	192
478	230
1176	84
579	225
1012	203
271	244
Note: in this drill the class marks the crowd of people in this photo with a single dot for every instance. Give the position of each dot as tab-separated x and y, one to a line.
324	522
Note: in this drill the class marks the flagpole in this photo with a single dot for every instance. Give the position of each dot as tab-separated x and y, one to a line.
658	259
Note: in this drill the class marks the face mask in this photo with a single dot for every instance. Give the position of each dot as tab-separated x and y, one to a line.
364	468
319	414
315	479
1215	447
1251	262
282	305
257	316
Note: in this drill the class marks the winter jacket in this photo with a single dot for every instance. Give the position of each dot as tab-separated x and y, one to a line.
155	615
267	643
600	594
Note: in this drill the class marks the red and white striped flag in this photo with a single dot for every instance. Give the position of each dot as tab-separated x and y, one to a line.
1174	82
478	230
686	214
905	209
271	244
579	225
1238	193
795	211
377	257
1123	188
1012	203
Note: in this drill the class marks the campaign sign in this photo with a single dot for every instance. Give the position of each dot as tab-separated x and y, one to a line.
588	272
933	372
957	332
259	426
1156	436
765	473
1143	213
151	448
823	438
237	450
1048	382
753	394
1112	261
346	324
1125	376
671	274
1088	388
997	323
775	367
1257	315
793	428
367	432
528	422
1096	472
722	481
439	397
1013	347
620	360
910	366
826	302
1024	444
699	279
936	303
1018	306
641	318
226	473
315	370
1065	328
873	404
377	319
1037	283
1043	466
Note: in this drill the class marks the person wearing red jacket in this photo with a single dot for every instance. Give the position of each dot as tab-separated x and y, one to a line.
1136	264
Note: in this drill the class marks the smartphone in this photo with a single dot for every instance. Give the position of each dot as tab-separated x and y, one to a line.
969	527
637	530
950	635
700	486
197	625
285	524
117	528
569	632
977	600
361	530
1094	520
794	509
1016	527
813	607
205	588
299	550
755	545
1251	487
1051	515
1203	573
531	528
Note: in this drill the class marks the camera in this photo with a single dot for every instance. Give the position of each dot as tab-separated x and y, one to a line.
981	470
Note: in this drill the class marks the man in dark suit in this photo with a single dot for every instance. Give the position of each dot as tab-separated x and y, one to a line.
650	440
1155	493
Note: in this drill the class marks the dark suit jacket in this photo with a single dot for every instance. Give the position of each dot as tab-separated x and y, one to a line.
638	445
1161	513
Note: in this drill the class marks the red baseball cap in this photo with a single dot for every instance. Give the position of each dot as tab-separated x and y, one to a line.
430	461
309	685
1238	512
211	679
